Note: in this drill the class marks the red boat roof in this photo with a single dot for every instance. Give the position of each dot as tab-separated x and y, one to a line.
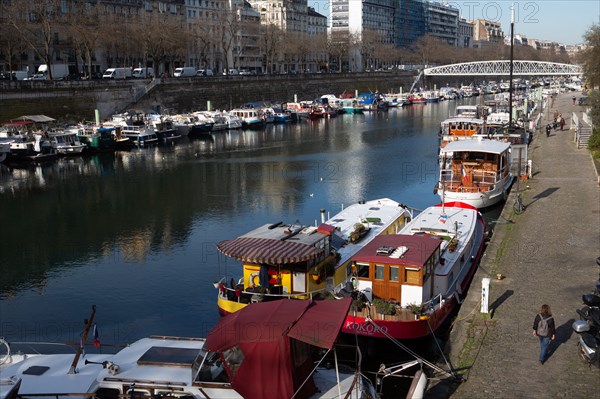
387	249
264	333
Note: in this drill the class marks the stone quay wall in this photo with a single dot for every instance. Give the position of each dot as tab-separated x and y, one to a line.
77	100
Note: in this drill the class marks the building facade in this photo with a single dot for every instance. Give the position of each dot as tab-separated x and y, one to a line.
442	22
411	22
486	32
465	33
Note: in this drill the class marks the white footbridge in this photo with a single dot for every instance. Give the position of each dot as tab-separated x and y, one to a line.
502	68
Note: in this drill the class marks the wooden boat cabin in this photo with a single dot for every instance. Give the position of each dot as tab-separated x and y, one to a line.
399	268
474	165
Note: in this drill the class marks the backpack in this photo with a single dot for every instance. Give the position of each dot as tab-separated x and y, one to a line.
542	328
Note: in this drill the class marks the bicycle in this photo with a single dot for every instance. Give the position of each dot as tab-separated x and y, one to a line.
518	206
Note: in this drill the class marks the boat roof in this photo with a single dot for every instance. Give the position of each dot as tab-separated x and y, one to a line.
275	244
273	364
36	118
399	249
377	215
464	119
163	358
476	145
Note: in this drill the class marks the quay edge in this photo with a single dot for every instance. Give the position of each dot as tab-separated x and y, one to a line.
546	255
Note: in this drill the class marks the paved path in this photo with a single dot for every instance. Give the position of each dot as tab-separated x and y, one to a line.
548	256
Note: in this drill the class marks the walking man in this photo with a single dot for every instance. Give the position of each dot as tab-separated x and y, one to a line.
561	121
543	328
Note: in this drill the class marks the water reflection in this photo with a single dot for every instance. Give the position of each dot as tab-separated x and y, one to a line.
135	232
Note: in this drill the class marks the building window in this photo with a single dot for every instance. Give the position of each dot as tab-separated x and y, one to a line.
412	276
379	272
394	273
362	270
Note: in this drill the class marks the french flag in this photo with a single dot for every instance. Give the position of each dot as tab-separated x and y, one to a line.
443	218
96	334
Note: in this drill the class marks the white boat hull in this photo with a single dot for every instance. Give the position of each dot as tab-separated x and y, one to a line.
479	200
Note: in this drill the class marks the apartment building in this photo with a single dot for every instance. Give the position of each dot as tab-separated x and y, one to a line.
486	32
442	22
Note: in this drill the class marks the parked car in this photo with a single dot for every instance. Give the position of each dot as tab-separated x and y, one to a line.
205	72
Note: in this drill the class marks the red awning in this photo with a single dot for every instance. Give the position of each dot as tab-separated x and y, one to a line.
268	251
320	324
317	323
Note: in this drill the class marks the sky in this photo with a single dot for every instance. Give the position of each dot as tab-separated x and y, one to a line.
562	21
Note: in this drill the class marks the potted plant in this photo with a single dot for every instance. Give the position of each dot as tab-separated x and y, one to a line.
317	274
453	244
359	231
358	305
384	307
416	309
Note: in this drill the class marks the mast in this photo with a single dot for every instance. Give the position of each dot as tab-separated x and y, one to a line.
88	325
510	86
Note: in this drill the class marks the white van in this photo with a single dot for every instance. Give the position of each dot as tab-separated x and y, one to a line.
205	72
184	71
117	73
143	73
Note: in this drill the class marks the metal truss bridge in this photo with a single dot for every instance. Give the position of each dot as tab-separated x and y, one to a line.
502	68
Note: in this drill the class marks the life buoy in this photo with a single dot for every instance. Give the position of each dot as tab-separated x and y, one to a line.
7	356
251	280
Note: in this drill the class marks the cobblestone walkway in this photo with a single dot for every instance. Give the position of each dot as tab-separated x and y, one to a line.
547	255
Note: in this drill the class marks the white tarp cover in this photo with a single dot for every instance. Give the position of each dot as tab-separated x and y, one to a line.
36	118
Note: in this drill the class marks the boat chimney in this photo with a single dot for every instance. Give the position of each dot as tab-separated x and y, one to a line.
322	215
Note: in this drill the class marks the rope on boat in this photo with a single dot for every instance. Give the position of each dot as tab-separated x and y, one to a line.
310	374
456	376
410	352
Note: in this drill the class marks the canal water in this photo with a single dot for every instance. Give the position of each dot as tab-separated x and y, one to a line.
134	233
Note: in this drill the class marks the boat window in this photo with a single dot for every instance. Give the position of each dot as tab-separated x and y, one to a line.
412	276
211	369
362	270
233	359
394	273
379	272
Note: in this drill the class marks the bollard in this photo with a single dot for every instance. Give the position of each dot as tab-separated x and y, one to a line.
485	294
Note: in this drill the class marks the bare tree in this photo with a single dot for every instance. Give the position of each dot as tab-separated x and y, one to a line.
202	41
162	38
367	43
11	41
591	62
338	46
229	25
84	27
270	39
37	22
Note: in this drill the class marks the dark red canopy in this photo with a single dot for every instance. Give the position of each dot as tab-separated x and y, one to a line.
274	366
